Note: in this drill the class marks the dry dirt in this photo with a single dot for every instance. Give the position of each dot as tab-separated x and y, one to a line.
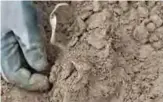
113	53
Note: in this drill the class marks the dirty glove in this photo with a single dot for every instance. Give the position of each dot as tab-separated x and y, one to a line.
22	50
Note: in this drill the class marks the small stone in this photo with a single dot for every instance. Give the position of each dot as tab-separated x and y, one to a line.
96	6
157	20
150	27
142	12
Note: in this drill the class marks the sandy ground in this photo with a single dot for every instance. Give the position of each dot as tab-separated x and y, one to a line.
113	52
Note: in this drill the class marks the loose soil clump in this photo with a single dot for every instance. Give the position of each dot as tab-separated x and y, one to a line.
113	52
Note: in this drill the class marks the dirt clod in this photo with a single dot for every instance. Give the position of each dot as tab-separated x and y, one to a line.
157	20
115	52
151	27
142	12
141	34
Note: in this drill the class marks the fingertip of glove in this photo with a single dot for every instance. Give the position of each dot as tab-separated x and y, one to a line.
39	82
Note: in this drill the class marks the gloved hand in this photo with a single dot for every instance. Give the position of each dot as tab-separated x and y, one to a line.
21	46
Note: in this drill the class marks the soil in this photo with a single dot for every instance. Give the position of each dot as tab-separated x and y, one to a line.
113	52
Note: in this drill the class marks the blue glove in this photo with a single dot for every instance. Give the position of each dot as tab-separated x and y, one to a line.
21	46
